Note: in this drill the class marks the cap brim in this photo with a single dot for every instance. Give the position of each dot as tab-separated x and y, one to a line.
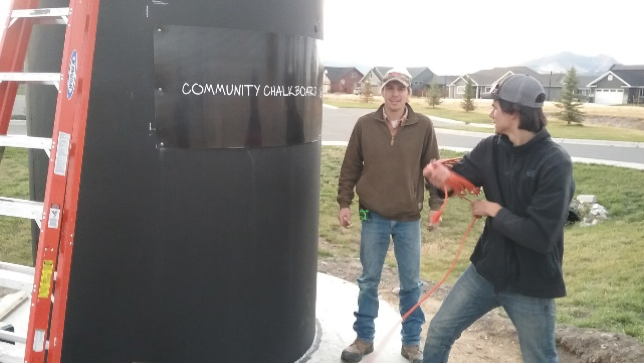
488	96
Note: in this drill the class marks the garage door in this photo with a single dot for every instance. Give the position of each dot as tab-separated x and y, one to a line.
609	96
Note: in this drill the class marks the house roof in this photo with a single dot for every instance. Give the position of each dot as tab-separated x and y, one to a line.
630	75
487	77
416	71
336	73
633	75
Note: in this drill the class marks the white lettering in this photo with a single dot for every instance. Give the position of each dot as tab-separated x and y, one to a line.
200	87
183	89
209	88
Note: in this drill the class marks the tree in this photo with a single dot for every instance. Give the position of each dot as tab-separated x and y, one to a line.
569	101
434	95
468	104
366	94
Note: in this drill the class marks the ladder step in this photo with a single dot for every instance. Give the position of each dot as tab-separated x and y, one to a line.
17	277
12	337
28	142
17	280
36	78
43	16
21	208
9	357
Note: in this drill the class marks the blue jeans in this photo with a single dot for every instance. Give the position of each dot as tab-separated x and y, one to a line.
377	233
472	297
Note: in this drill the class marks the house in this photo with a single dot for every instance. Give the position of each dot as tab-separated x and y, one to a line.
622	84
374	78
326	84
343	79
443	83
420	79
553	83
482	81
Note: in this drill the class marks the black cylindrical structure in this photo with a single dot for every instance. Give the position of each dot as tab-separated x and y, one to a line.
196	235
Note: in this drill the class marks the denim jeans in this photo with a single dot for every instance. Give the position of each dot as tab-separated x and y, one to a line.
377	232
472	297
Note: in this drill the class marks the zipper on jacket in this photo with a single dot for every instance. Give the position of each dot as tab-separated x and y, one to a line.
392	139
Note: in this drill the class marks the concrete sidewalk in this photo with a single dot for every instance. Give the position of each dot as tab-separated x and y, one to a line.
336	301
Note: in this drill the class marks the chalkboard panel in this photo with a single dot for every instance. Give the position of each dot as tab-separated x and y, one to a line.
231	88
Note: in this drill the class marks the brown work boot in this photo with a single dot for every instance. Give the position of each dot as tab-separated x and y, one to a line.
356	350
412	353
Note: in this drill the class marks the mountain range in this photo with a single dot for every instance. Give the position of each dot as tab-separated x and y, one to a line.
561	63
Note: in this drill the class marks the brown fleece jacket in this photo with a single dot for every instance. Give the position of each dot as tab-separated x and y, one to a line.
387	171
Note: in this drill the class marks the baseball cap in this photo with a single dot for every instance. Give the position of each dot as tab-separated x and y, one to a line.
398	74
520	89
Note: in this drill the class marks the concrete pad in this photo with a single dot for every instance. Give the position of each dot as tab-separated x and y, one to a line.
337	299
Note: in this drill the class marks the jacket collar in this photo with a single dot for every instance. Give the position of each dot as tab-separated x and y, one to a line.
529	146
412	118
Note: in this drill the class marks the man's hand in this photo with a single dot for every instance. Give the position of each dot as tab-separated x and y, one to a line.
483	208
431	226
436	173
344	217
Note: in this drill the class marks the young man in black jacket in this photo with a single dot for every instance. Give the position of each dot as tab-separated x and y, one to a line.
517	261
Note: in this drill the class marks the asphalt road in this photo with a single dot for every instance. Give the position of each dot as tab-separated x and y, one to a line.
338	123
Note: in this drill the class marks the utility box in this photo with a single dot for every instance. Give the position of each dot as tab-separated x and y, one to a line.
196	235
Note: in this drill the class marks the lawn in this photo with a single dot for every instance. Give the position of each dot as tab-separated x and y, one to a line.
450	108
602	264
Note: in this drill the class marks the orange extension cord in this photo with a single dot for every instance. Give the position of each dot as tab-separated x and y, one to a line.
460	186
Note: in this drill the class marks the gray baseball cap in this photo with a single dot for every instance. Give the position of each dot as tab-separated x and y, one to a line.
520	89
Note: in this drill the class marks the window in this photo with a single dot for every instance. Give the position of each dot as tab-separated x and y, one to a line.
418	83
641	92
354	75
610	77
342	81
488	89
460	90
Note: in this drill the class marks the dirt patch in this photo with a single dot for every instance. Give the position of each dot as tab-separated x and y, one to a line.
623	122
493	337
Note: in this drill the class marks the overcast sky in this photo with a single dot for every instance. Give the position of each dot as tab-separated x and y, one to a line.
460	36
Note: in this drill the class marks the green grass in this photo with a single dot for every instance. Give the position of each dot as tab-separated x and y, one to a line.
15	233
602	264
559	129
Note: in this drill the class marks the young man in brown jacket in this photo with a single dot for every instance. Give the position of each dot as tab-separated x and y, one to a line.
384	160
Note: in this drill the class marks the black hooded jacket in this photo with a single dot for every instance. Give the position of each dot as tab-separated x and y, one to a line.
521	249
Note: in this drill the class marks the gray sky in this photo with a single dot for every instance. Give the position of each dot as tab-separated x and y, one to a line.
460	36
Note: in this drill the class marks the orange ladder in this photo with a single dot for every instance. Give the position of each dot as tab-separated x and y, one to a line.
56	216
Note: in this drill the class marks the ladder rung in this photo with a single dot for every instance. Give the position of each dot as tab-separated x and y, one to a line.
8	357
21	208
28	142
17	277
12	337
17	280
38	78
43	16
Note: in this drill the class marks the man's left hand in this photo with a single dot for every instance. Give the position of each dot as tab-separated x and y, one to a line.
483	208
431	226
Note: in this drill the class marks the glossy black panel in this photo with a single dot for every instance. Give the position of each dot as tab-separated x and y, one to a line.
194	253
219	88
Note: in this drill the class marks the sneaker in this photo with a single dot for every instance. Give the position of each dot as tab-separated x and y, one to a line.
412	353
356	350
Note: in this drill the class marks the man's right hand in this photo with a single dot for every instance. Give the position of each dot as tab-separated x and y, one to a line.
344	217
